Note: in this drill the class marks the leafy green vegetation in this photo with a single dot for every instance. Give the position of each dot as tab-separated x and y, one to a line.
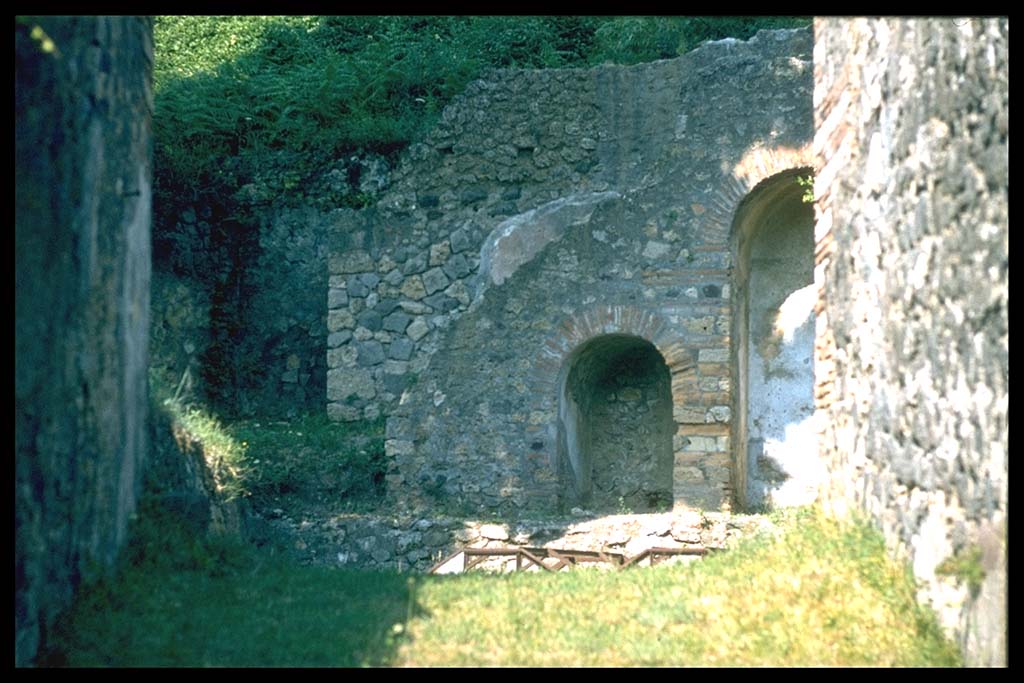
264	458
807	183
342	460
276	99
966	567
192	426
813	593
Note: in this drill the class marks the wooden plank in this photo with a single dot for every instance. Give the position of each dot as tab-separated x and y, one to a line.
472	557
564	559
679	551
445	561
636	558
491	552
533	558
466	566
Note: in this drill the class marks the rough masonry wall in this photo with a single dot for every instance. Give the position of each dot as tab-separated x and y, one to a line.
912	350
625	401
83	103
237	323
549	208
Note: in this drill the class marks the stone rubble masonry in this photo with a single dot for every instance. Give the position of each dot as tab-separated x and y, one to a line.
548	208
83	196
267	278
910	352
912	349
418	543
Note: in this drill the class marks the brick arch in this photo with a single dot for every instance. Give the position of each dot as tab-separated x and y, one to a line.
600	320
757	165
772	404
701	465
615	426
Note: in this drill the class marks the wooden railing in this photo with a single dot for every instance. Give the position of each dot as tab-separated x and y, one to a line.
558	558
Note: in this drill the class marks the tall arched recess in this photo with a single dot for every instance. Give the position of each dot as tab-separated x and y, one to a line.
774	439
615	426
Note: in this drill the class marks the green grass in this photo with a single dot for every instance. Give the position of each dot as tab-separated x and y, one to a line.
225	455
343	459
819	595
262	457
232	608
816	594
966	567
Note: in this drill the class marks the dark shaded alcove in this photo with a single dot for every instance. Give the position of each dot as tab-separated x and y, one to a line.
615	427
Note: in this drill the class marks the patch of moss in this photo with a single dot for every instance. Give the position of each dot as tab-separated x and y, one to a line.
965	566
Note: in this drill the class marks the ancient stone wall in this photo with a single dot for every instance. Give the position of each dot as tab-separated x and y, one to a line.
83	103
912	350
236	322
549	209
419	543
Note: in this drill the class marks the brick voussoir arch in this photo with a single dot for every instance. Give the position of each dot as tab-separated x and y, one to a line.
757	165
580	346
601	320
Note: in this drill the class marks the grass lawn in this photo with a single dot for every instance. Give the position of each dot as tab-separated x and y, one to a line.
814	594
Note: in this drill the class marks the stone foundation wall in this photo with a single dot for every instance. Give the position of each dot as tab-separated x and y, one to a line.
912	334
419	543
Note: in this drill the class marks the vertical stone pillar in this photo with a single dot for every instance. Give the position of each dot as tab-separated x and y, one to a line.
912	244
83	104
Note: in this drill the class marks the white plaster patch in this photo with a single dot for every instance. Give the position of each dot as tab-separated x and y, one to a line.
876	172
517	240
795	312
930	544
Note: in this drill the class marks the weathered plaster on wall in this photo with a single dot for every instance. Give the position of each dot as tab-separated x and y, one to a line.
775	337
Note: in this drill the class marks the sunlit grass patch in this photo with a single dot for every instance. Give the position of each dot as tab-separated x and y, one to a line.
196	428
261	457
818	595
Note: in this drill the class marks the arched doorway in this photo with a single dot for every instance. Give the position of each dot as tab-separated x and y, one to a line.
615	426
774	438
